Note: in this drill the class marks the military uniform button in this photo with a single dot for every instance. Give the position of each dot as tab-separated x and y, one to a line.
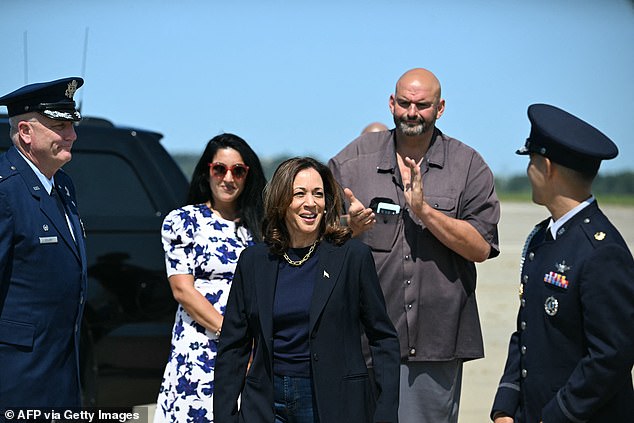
586	220
523	325
524	373
12	167
531	256
315	357
412	351
525	278
523	302
523	349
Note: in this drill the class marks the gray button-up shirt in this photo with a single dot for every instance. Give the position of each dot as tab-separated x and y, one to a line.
429	289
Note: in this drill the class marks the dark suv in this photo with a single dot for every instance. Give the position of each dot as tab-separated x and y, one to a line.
126	183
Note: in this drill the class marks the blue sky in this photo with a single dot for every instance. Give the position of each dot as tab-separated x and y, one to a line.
304	77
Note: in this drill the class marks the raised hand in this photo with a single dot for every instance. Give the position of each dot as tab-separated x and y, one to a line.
360	218
414	187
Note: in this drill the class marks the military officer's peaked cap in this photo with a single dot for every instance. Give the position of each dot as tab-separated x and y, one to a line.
567	140
53	99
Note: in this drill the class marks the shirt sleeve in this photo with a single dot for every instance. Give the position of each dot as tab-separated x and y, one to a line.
177	235
480	205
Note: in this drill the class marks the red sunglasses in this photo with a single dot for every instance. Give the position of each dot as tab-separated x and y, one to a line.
219	170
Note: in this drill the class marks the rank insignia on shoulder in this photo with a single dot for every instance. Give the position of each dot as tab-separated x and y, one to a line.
556	279
599	236
551	306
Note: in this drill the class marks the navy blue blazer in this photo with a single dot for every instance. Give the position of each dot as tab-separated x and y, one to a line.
346	298
42	289
571	358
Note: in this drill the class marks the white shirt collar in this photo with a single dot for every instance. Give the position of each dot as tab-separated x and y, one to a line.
555	225
47	183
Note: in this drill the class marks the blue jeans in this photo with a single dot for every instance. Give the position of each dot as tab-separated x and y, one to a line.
294	400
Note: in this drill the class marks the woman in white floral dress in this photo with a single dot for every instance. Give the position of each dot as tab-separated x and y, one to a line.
202	243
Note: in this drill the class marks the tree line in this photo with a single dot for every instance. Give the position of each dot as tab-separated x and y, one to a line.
612	184
618	183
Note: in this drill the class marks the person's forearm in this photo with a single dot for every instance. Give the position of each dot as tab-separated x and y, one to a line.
457	235
194	303
202	312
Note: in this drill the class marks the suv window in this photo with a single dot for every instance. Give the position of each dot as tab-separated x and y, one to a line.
102	176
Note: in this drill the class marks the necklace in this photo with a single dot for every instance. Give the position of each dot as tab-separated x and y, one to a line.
303	260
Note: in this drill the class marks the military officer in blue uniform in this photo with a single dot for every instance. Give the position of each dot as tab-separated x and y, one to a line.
42	255
570	359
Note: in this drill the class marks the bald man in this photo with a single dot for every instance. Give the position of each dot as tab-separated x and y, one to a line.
374	127
426	205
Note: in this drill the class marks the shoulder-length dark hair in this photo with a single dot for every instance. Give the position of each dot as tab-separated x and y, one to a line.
278	196
250	203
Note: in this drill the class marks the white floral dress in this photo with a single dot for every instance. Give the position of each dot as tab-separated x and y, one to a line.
199	243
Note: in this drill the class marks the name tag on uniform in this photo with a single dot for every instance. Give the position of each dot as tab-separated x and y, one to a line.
48	240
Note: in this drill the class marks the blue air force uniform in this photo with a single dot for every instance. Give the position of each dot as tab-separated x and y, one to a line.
571	357
42	269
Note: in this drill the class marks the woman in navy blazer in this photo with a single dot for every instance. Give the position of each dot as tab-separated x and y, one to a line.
297	306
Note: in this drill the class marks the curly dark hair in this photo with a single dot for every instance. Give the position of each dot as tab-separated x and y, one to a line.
250	203
278	196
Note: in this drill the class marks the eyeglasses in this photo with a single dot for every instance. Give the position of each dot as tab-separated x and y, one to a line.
219	170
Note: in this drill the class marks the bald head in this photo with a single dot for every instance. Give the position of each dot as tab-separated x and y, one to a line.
416	104
419	78
374	127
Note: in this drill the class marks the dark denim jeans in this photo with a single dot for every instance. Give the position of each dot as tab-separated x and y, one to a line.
294	400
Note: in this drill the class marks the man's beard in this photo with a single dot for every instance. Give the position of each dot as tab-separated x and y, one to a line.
412	131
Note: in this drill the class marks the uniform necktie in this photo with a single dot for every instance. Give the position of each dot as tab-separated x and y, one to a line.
549	235
62	210
58	202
